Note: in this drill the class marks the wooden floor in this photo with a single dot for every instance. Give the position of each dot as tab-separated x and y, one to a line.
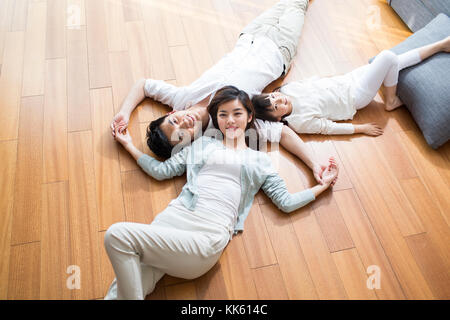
66	66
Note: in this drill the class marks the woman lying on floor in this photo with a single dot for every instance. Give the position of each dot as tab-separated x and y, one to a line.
223	175
312	106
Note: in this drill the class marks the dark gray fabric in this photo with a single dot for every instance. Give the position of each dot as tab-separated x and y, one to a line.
425	88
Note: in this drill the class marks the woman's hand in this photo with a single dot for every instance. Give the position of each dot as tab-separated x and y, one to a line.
330	174
123	137
119	122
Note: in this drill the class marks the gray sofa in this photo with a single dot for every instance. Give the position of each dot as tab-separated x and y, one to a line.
417	13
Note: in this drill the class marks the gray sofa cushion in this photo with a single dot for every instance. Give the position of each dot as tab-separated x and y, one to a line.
425	88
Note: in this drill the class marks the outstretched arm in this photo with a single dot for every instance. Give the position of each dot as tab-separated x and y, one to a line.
158	90
134	97
160	170
275	188
295	145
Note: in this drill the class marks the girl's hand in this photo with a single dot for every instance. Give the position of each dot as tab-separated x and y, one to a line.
123	137
372	129
120	122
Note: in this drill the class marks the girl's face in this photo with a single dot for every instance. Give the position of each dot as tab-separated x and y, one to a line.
232	118
280	104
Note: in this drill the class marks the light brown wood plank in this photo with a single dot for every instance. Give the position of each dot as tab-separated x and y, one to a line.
56	29
298	282
55	241
29	170
391	238
137	196
10	84
184	68
171	17
236	271
427	163
156	37
367	243
8	154
83	221
78	102
34	55
182	291
110	207
97	42
256	240
269	283
333	227
24	272
140	54
435	271
438	232
353	275
55	121
115	26
322	268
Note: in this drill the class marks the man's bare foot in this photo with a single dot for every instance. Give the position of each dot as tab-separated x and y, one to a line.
393	104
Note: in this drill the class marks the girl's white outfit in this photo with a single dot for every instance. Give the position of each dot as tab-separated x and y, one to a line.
317	103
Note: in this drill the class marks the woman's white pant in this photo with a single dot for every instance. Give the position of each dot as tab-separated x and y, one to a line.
179	242
384	69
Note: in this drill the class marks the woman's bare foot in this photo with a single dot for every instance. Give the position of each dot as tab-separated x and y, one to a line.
393	103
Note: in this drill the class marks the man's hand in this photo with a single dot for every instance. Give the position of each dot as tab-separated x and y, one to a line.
119	123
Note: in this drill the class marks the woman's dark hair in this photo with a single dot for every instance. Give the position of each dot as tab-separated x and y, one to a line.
230	93
157	140
263	108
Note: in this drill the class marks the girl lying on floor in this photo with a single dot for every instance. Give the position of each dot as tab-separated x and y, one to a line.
313	106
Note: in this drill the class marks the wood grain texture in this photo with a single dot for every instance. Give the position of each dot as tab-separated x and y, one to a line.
24	276
83	220
55	121
55	241
11	83
110	206
8	154
78	103
29	173
35	45
56	29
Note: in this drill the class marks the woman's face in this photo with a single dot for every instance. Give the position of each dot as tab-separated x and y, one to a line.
232	118
280	104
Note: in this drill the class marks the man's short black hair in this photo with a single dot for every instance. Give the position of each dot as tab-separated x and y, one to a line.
157	140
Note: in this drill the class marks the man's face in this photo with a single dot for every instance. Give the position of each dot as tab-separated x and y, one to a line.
183	126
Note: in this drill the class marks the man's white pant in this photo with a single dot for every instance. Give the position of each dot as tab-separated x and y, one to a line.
179	242
283	24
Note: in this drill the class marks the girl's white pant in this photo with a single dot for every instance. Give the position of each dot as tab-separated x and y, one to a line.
179	242
384	69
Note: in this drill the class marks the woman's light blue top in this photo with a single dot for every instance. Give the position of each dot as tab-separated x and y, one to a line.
256	172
